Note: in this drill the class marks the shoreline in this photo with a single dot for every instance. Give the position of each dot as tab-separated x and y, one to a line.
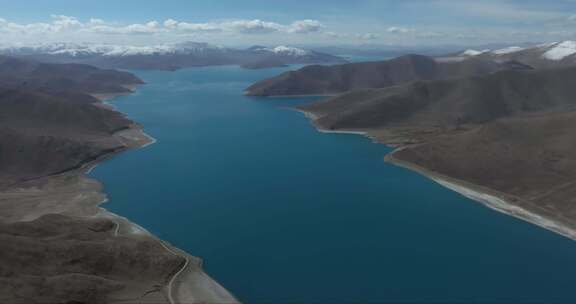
313	117
75	193
495	200
247	93
136	138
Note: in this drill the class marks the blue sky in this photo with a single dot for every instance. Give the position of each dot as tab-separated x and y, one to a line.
245	22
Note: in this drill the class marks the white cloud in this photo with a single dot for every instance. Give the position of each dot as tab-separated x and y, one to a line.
151	27
147	28
429	34
67	25
96	21
333	34
399	30
305	26
170	23
255	26
197	27
62	22
368	36
61	28
59	23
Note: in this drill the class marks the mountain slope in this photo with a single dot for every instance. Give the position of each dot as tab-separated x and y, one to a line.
42	134
57	248
48	121
452	102
63	259
28	74
505	139
329	80
549	55
528	162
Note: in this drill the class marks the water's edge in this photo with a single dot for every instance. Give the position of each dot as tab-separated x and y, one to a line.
493	199
190	284
498	201
282	213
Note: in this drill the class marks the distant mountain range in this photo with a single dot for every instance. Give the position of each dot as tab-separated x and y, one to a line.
329	80
555	54
168	56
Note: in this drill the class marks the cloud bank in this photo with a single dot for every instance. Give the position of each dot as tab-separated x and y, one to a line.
67	24
509	23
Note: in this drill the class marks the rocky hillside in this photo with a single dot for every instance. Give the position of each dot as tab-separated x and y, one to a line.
529	161
509	132
62	259
30	74
330	80
452	102
43	134
55	248
548	55
48	121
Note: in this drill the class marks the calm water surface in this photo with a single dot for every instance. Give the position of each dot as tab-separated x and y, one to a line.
284	214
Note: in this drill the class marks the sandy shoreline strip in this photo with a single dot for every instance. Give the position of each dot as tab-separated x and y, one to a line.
247	93
313	117
493	199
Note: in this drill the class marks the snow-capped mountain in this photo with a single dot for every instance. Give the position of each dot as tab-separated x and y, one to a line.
166	56
541	55
86	49
471	53
282	50
508	50
560	50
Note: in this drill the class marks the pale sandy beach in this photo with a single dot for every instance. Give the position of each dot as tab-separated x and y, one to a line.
292	96
313	118
498	201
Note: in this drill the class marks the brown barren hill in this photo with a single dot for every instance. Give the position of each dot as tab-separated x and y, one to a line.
449	103
505	138
58	245
330	80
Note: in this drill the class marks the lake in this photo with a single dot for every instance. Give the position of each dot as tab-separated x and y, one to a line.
281	213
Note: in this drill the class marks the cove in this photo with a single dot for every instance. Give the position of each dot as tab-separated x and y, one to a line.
281	213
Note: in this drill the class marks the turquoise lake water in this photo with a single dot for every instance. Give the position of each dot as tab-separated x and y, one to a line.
284	214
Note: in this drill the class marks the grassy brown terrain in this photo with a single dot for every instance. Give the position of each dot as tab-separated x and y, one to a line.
330	80
508	132
64	259
58	246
